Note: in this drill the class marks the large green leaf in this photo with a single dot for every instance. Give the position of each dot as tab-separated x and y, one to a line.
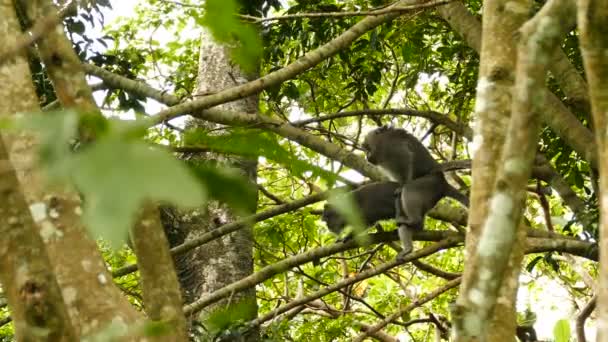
254	143
116	176
227	185
561	331
222	21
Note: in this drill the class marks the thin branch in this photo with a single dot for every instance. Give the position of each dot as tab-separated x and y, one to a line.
544	204
582	317
40	28
433	116
301	65
232	227
535	245
449	285
396	8
270	195
435	271
283	265
352	280
343	292
6	320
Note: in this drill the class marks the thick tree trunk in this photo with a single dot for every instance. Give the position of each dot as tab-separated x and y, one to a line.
594	44
493	111
33	294
77	263
230	258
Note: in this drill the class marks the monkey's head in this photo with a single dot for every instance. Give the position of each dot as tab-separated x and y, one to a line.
374	142
334	221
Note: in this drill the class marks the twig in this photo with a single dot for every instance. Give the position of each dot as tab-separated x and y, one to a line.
395	8
351	280
449	285
582	317
40	28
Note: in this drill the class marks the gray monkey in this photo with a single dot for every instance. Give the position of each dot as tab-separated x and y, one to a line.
400	154
423	184
376	202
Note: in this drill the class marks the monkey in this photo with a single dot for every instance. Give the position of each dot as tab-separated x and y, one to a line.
526	333
376	202
405	159
399	154
415	199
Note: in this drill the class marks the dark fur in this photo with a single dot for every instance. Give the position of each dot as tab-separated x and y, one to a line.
376	202
399	153
407	161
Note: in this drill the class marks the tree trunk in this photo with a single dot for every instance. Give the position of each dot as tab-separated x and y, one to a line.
594	44
230	258
32	291
79	267
493	111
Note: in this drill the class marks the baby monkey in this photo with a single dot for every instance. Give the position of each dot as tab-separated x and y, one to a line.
422	183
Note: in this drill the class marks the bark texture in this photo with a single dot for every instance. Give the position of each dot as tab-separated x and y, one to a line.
32	291
229	258
594	44
77	263
161	291
492	114
556	114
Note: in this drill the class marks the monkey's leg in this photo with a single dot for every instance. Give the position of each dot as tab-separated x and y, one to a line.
405	234
416	198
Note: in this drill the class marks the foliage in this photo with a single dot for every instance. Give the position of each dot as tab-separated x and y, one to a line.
412	62
104	168
220	19
562	331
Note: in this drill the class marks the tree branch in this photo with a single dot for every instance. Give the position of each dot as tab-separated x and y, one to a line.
421	301
443	244
301	65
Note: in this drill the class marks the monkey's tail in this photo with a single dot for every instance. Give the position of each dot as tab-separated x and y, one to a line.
457	195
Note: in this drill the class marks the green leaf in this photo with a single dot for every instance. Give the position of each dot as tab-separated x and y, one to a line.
56	130
228	186
156	329
344	204
561	331
222	21
254	143
231	316
116	176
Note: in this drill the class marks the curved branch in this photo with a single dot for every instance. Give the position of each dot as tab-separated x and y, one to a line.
301	65
443	244
395	8
435	271
447	240
582	317
433	116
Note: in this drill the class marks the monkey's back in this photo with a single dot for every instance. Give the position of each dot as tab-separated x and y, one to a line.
376	201
424	163
395	143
